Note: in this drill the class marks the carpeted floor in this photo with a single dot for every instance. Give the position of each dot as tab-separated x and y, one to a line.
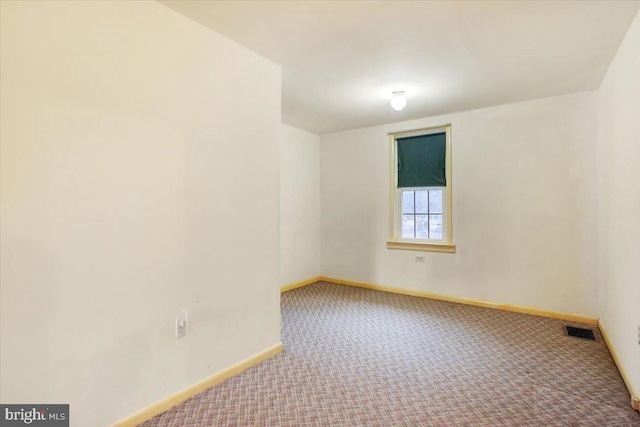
357	357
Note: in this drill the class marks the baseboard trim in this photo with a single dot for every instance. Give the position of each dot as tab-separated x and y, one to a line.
300	284
179	397
468	301
635	397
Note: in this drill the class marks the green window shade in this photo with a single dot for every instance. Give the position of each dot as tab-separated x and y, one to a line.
421	161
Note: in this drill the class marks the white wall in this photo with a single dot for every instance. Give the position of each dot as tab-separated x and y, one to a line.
619	202
524	215
299	205
136	147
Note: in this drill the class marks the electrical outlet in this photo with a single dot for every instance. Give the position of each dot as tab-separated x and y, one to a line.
420	258
181	325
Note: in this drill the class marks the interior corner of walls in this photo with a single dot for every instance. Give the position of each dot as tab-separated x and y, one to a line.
505	133
300	205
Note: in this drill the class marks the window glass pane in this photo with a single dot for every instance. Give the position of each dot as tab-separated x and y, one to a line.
407	202
435	201
422	226
407	226
421	202
435	227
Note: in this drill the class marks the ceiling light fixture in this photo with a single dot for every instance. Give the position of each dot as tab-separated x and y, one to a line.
398	101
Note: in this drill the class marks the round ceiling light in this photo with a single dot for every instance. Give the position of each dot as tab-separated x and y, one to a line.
398	101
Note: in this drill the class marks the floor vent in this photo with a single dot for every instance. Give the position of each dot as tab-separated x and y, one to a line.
585	334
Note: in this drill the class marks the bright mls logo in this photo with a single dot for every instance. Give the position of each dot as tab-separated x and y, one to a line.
34	415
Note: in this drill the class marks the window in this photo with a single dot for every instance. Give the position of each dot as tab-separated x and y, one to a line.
421	190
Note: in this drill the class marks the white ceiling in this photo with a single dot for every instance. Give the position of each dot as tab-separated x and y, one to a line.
342	59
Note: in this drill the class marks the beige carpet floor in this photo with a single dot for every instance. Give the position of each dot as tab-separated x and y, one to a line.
357	357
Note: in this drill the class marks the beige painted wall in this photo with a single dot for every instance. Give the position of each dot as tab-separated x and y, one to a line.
299	205
524	212
140	176
619	202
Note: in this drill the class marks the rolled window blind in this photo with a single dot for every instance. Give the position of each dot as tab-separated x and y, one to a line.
422	160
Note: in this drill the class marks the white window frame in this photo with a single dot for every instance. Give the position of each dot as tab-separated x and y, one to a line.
396	241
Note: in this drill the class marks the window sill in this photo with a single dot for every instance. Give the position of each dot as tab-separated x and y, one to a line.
428	247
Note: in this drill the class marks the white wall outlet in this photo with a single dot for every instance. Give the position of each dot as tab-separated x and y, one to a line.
420	258
181	325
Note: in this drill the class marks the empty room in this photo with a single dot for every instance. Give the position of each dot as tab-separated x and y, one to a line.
319	213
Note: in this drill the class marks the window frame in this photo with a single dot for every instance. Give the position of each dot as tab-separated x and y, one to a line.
395	194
